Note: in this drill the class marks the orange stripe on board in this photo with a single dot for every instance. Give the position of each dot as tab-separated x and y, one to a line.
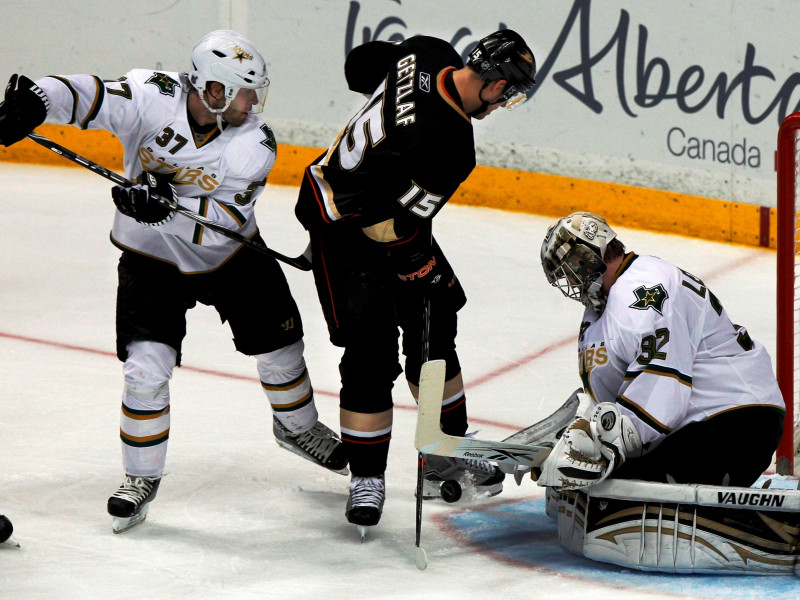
506	189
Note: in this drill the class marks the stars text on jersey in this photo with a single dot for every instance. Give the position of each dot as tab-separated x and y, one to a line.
182	175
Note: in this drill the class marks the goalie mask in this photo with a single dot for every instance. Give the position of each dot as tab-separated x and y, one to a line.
572	257
226	57
505	55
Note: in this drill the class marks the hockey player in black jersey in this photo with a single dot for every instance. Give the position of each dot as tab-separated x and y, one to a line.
368	203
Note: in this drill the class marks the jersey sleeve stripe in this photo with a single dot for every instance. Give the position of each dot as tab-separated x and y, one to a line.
72	91
235	214
98	102
643	415
197	238
660	371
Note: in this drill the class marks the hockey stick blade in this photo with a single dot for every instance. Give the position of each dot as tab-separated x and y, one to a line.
430	439
302	262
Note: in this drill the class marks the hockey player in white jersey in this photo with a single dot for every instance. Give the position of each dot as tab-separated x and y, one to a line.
681	393
194	137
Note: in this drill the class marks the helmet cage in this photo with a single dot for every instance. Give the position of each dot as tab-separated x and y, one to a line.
572	258
580	274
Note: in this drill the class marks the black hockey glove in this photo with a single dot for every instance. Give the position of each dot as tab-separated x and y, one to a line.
23	110
152	204
421	267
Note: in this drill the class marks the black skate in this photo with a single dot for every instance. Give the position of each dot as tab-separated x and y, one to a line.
130	503
365	504
445	477
319	445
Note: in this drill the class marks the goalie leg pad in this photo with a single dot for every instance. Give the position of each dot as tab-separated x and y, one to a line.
681	528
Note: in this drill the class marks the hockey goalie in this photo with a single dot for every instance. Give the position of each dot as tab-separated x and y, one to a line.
660	465
683	415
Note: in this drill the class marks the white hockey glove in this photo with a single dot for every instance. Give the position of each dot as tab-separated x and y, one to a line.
591	449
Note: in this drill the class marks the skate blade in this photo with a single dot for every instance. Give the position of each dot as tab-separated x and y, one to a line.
420	558
11	541
362	531
122	524
293	450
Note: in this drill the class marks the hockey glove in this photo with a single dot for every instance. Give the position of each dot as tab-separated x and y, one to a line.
23	110
421	267
591	449
152	204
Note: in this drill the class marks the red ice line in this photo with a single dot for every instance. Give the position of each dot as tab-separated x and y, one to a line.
474	383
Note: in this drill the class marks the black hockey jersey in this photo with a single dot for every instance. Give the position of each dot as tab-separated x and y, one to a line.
405	152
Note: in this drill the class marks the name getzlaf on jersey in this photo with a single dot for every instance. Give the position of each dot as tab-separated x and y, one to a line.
405	152
216	174
665	350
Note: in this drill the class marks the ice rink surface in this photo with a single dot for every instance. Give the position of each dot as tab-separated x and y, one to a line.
236	516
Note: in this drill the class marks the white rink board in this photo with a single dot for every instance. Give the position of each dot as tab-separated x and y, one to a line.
679	96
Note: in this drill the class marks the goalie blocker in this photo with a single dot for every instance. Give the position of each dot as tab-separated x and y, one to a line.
682	528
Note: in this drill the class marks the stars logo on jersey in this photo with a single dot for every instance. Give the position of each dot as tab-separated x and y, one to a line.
270	141
165	84
653	297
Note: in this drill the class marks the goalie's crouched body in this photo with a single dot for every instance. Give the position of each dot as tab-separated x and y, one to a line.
677	395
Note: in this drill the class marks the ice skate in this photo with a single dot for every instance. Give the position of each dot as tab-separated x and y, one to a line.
445	477
319	444
6	529
365	504
130	503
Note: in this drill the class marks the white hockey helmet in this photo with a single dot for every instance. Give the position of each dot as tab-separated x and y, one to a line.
230	59
572	257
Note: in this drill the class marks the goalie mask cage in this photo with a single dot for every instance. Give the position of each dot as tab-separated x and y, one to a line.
787	165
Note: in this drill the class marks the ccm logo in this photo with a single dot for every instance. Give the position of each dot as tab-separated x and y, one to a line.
419	273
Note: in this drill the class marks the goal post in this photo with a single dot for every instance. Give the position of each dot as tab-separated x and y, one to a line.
787	164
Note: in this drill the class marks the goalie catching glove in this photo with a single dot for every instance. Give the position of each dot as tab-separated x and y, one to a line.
591	449
152	204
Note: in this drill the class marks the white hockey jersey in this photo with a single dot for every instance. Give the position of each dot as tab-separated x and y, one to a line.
216	174
666	352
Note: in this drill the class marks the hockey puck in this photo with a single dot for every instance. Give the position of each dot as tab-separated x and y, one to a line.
6	529
451	491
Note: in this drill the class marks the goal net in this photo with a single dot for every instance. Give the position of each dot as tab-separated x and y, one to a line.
787	165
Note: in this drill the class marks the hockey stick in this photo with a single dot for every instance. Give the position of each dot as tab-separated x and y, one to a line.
547	430
430	439
302	262
421	557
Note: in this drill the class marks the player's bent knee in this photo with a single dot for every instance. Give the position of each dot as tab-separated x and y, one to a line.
148	369
286	360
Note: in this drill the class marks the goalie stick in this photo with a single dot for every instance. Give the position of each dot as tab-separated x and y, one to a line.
302	262
548	430
430	439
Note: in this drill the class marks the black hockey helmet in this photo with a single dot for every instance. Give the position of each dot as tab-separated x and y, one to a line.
505	55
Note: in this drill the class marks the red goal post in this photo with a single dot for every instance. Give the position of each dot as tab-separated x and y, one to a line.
787	165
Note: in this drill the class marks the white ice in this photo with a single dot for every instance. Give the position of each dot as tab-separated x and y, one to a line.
236	516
